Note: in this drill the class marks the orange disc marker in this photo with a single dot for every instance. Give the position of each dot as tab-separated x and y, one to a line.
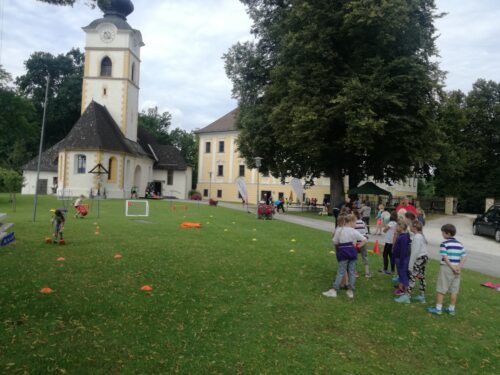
97	233
98	227
46	291
61	259
118	256
146	288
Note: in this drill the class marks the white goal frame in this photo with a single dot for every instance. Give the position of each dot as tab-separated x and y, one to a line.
127	214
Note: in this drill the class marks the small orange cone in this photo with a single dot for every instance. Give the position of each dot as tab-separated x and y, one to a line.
62	242
376	248
46	291
97	233
146	288
48	240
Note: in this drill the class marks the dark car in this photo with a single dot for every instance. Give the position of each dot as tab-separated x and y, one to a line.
488	223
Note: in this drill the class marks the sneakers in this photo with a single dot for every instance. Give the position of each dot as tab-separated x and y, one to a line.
382	271
399	292
434	311
350	293
330	293
405	298
388	272
420	299
449	312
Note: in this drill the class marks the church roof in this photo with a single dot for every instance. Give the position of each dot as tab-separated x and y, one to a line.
119	22
97	130
169	157
165	156
49	160
225	124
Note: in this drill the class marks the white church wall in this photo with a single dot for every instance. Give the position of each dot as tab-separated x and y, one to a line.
180	186
29	187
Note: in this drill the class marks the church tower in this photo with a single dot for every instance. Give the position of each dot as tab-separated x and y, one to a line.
112	65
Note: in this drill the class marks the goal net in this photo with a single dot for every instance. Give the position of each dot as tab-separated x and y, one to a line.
134	208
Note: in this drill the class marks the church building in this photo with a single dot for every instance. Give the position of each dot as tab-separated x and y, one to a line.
106	138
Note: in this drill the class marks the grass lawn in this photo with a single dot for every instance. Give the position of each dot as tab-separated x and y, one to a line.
228	298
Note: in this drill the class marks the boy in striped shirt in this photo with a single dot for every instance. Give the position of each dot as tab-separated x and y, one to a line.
452	260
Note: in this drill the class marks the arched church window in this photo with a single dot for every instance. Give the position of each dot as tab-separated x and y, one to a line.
112	170
133	73
106	67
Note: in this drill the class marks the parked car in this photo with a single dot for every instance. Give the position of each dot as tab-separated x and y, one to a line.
488	223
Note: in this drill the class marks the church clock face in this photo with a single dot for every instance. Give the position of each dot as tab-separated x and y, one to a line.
107	35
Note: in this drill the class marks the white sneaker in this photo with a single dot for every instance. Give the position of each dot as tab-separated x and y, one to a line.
330	293
350	293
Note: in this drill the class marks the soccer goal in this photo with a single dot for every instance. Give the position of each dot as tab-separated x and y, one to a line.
136	208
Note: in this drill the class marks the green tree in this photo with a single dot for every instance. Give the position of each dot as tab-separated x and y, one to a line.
5	78
65	90
91	3
11	182
18	127
187	143
156	123
338	87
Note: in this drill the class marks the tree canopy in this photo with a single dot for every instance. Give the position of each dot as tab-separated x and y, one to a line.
339	88
469	165
18	126
65	90
91	3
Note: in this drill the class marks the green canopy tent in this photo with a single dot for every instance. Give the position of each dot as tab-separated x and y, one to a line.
368	188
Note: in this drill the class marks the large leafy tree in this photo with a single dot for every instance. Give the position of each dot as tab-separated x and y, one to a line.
156	123
91	3
18	127
338	87
65	90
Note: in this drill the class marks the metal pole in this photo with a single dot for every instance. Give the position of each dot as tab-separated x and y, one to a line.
258	199
41	147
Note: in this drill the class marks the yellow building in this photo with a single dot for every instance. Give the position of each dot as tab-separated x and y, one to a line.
220	164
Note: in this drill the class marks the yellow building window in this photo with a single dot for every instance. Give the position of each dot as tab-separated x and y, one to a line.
112	168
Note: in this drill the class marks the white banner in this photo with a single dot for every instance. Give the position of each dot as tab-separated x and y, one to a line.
242	188
296	185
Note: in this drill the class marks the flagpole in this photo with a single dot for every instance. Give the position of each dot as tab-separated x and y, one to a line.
41	146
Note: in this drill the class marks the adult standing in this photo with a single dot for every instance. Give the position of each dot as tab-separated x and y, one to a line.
406	206
366	212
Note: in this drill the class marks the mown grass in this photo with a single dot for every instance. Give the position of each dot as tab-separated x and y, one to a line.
222	302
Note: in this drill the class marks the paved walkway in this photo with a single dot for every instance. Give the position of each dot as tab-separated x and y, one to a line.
483	252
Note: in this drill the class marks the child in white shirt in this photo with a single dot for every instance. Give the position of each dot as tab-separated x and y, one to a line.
345	239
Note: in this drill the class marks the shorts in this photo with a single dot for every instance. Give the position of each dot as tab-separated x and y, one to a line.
448	282
364	254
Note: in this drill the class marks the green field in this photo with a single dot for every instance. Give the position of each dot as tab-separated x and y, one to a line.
228	298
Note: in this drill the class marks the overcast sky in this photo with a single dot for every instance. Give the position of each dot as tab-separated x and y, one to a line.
182	68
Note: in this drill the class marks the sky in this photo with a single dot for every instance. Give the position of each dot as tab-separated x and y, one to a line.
182	69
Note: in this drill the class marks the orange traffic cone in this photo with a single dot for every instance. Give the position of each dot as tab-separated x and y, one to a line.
376	248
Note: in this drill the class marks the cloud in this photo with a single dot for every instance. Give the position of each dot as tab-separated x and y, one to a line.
182	70
468	42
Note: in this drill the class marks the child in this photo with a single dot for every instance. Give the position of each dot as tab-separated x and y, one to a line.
361	227
58	223
416	266
378	231
453	258
345	240
77	205
389	230
401	254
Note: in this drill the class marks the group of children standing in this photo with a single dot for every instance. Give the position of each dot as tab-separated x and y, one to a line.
405	250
